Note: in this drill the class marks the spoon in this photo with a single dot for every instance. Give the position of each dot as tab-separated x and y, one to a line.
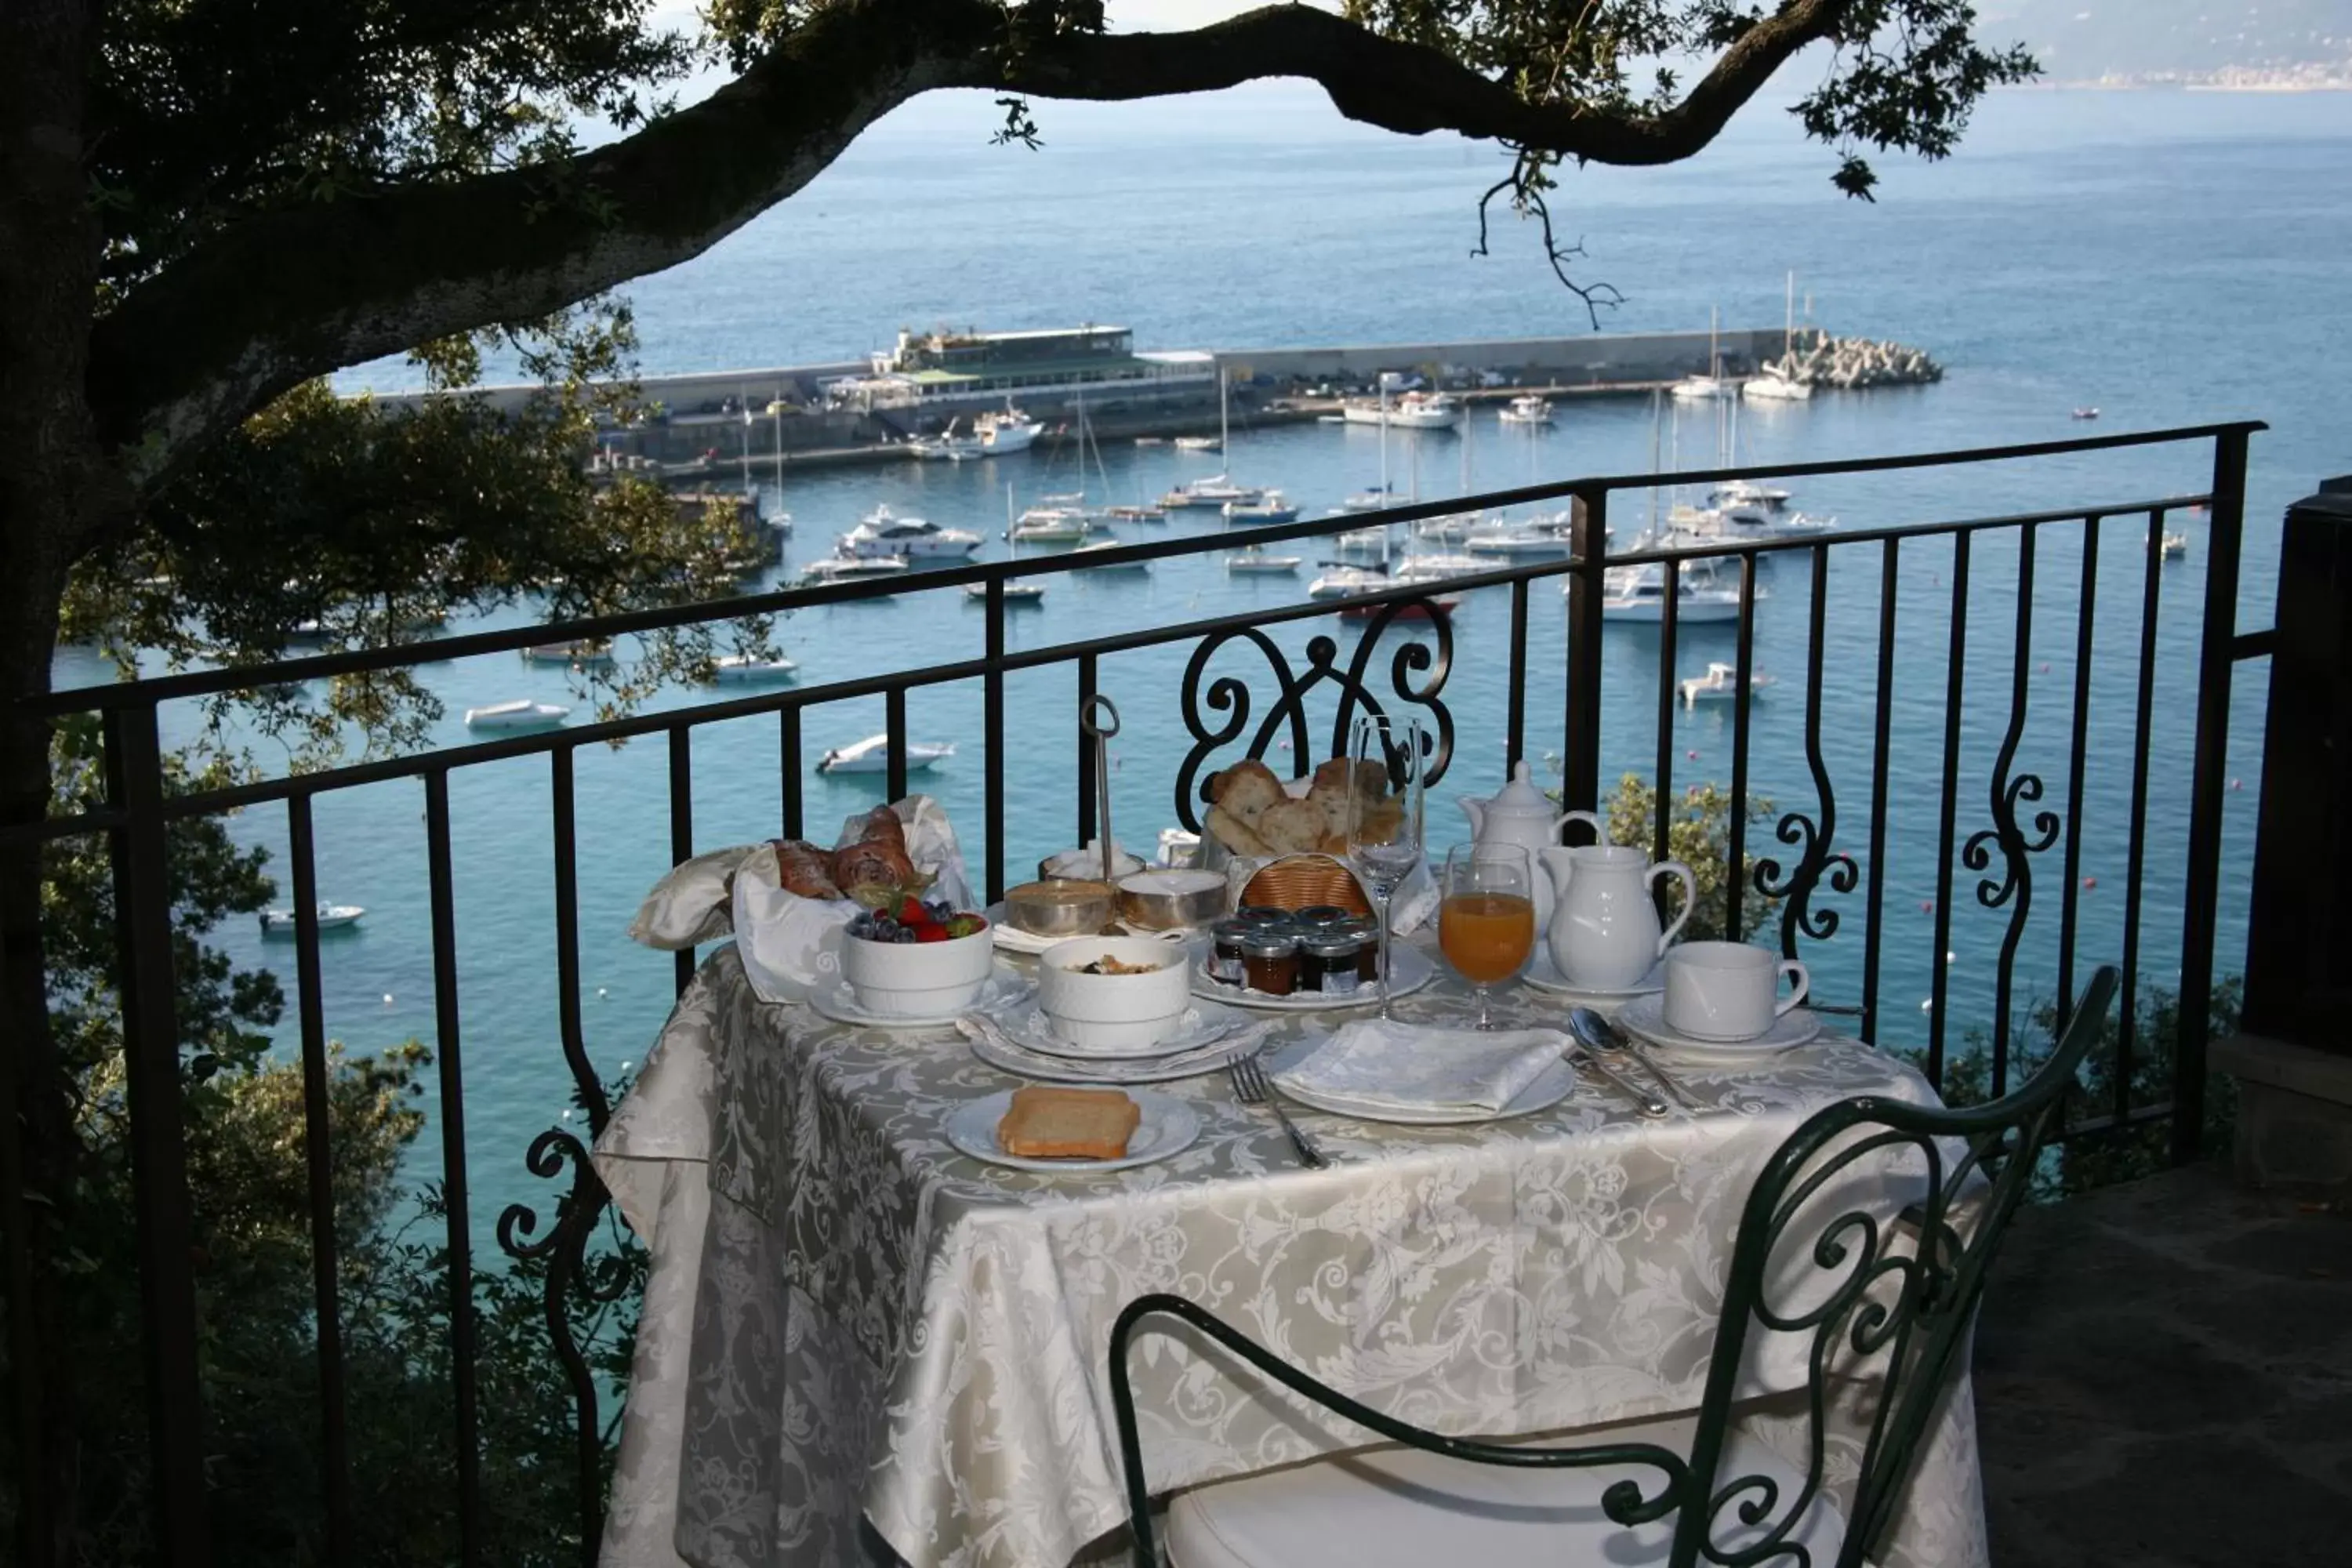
1600	1035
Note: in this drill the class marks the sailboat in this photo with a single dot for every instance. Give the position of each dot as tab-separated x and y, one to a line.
1713	383
1018	591
1218	490
1775	385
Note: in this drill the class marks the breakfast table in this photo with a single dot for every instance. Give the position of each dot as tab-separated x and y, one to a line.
859	1345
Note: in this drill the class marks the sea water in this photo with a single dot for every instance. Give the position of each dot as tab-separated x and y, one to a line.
2169	257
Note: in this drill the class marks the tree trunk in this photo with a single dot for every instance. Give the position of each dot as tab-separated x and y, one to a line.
54	487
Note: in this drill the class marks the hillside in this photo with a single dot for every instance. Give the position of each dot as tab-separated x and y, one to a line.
2081	40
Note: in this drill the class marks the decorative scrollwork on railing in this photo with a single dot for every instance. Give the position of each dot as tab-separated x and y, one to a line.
1230	696
1815	863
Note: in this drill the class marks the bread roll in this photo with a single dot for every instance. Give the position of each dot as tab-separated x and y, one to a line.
805	869
876	863
1292	827
1246	789
1234	832
1045	1124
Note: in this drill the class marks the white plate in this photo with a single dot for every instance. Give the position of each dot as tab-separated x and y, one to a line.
1010	938
1212	1058
1203	1023
1556	1083
839	1003
1169	1127
1646	1017
1544	975
1410	968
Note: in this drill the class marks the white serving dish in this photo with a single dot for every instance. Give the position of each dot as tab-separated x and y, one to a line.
918	979
1113	1013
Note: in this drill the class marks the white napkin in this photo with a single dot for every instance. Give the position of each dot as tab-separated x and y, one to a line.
1386	1066
689	905
1086	863
790	945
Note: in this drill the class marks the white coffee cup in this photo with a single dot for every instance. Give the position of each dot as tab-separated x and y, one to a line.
1727	990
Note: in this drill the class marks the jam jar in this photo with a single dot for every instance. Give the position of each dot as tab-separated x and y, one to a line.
1321	915
1225	965
1270	960
1367	953
1328	961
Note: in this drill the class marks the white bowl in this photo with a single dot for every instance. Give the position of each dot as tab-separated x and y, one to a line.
1114	1012
918	979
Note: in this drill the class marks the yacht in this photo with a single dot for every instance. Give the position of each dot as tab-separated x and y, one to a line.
1255	562
2172	547
332	916
1696	388
1438	568
1200	443
1743	510
1217	490
748	670
946	445
1363	541
520	714
581	655
1346	581
1000	435
883	534
1721	684
1051	525
1638	594
852	568
1451	529
1271	506
1017	595
1517	541
872	756
1527	409
1372	499
1413	411
1775	386
1134	514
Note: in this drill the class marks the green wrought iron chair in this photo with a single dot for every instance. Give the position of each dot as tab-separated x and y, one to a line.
1900	1291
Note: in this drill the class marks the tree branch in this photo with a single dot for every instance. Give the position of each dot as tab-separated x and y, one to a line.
293	294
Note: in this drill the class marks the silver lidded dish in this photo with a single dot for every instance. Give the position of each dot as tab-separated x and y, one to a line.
1061	906
1168	901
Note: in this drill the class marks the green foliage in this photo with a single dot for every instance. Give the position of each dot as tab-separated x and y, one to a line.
2117	1155
248	1178
1698	833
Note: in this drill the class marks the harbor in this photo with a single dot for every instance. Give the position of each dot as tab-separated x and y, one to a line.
970	394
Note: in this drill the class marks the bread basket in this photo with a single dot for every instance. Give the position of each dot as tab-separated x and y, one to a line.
1305	881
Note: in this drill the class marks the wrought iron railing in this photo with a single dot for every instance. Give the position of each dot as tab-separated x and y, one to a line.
1218	714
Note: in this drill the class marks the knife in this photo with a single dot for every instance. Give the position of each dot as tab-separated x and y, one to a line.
1600	1034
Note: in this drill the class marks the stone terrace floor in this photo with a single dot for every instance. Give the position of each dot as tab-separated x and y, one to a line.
2164	1379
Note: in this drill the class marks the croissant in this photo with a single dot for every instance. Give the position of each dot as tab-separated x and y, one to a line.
875	862
805	869
881	825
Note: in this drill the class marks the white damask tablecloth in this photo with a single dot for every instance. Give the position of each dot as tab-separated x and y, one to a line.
857	1342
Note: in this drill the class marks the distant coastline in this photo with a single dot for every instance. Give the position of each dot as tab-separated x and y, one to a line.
2335	76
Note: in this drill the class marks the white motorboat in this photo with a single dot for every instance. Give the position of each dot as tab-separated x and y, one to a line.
2172	547
748	670
583	655
1051	525
1104	568
1699	388
882	533
1000	435
1271	506
1528	409
1346	581
1638	594
1363	541
1517	541
946	445
1438	568
1217	490
1372	499
332	916
520	714
1200	443
1775	386
2086	413
1413	411
872	756
1134	514
1017	595
1721	683
1451	529
853	568
1255	561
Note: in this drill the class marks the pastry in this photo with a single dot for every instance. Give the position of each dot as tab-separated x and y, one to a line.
880	824
1044	1124
876	862
1245	789
1292	827
805	869
1234	832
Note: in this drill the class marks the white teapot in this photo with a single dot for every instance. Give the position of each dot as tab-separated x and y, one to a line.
1606	937
1523	814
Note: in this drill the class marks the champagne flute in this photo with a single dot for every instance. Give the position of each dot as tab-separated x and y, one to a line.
1384	828
1487	920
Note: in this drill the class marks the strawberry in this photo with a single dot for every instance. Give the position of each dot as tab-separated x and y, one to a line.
928	931
911	912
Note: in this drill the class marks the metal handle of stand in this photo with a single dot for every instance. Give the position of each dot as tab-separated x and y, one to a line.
1098	717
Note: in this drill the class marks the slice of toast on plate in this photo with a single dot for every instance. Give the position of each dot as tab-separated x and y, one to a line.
1048	1123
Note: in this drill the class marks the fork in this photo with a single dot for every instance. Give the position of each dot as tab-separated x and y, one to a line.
1250	1088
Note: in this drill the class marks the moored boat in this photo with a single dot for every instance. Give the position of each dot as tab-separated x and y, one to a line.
872	756
520	714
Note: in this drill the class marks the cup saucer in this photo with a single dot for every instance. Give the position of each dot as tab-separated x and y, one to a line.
1646	1017
1544	975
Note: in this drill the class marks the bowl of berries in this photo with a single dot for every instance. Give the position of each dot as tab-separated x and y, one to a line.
916	959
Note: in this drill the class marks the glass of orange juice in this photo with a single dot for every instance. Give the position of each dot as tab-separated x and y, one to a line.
1486	924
